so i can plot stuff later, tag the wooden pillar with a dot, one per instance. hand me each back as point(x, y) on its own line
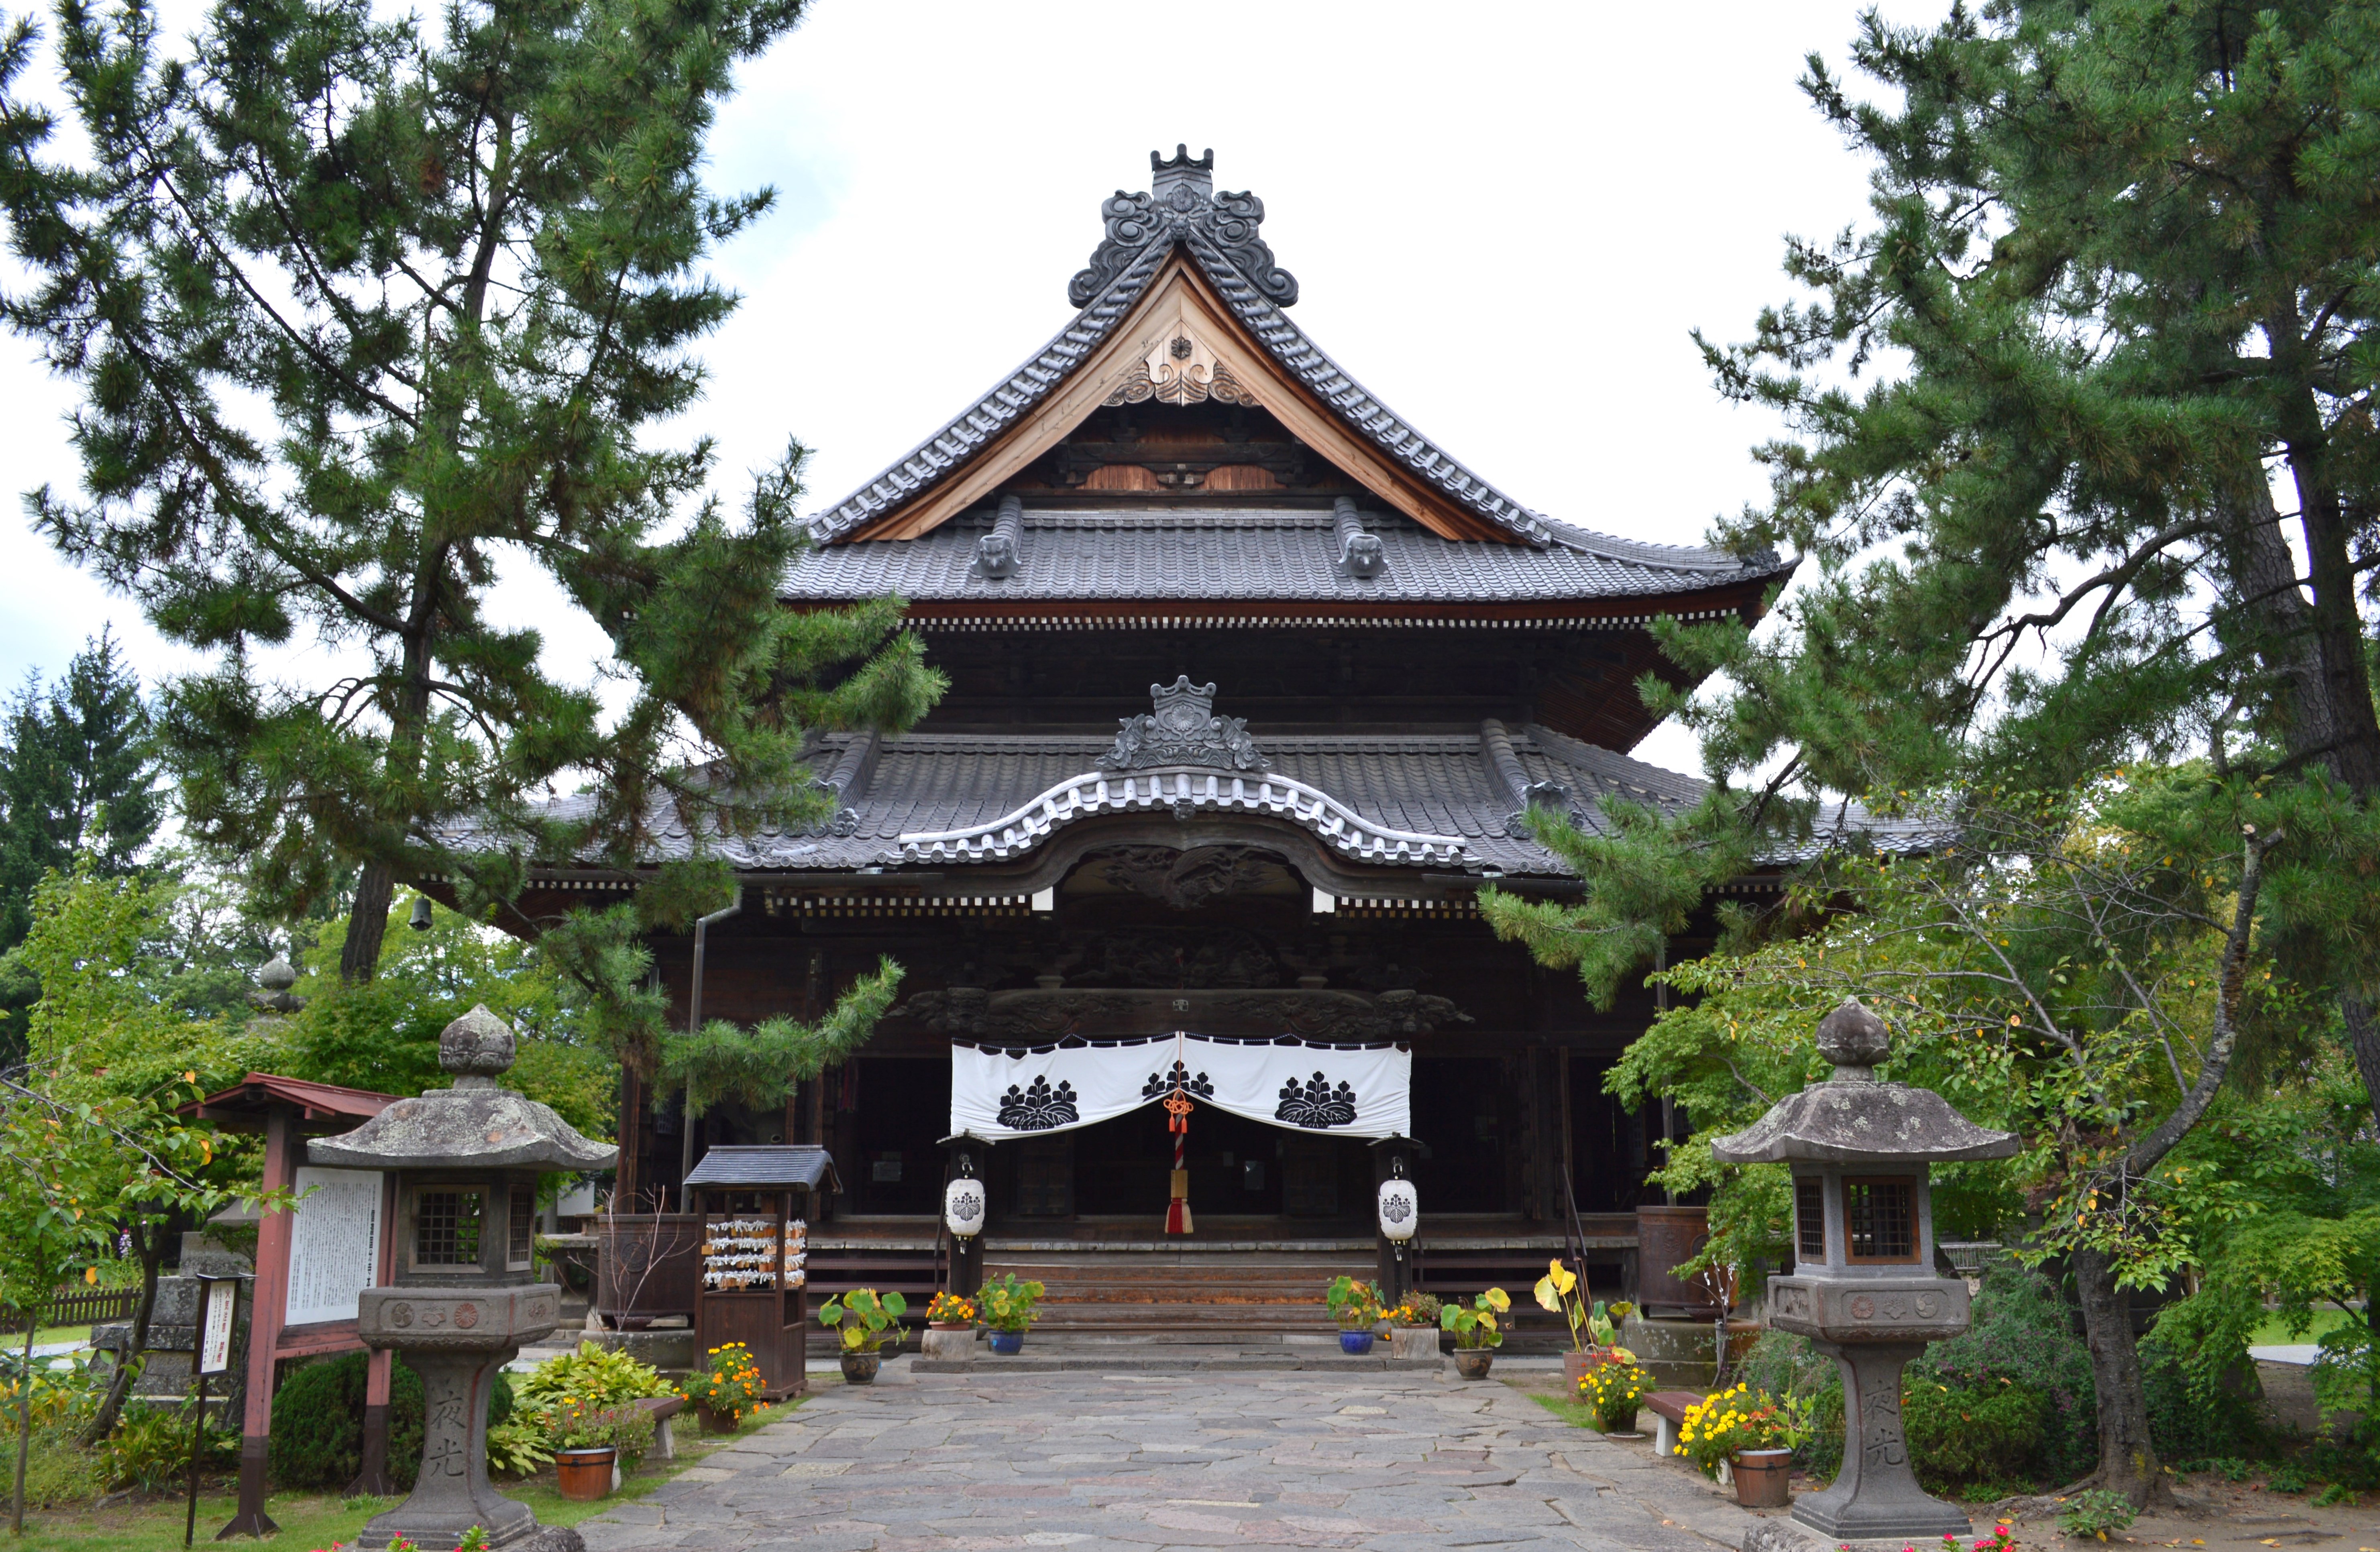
point(1390, 1156)
point(966, 1254)
point(264, 1321)
point(373, 1477)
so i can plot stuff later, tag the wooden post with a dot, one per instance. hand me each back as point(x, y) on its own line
point(373, 1475)
point(264, 1321)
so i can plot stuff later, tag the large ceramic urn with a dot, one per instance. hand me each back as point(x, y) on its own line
point(465, 1161)
point(1863, 1288)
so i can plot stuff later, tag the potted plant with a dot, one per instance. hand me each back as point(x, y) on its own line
point(592, 1445)
point(1354, 1306)
point(869, 1322)
point(1744, 1434)
point(1476, 1332)
point(1613, 1391)
point(950, 1328)
point(726, 1387)
point(1008, 1307)
point(1413, 1326)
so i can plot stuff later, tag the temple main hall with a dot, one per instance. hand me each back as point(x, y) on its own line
point(1252, 685)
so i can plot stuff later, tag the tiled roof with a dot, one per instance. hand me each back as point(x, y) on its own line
point(1437, 784)
point(1256, 552)
point(1191, 229)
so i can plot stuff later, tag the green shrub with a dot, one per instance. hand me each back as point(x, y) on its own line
point(2096, 1513)
point(2024, 1335)
point(597, 1375)
point(2185, 1424)
point(59, 1473)
point(1994, 1433)
point(1787, 1366)
point(150, 1448)
point(318, 1423)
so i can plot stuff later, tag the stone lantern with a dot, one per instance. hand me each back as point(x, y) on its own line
point(1863, 1288)
point(465, 1161)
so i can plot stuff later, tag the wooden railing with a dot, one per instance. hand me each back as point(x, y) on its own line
point(76, 1306)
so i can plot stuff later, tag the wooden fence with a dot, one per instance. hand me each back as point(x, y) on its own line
point(76, 1306)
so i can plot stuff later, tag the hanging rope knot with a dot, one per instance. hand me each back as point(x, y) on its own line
point(1177, 1112)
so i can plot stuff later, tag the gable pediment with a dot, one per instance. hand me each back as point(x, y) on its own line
point(1179, 344)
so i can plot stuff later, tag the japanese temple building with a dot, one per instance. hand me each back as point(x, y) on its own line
point(1251, 684)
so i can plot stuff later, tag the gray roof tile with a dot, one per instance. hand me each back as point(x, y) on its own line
point(1434, 783)
point(1267, 553)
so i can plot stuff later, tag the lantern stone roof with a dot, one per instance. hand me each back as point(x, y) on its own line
point(1852, 1119)
point(473, 1126)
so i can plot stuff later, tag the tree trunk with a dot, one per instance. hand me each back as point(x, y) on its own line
point(2128, 1459)
point(149, 1241)
point(367, 923)
point(2320, 729)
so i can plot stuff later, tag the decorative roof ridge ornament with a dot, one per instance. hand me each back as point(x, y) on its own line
point(1359, 551)
point(1182, 729)
point(995, 552)
point(1182, 199)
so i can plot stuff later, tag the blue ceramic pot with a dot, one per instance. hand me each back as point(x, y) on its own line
point(1008, 1341)
point(1355, 1343)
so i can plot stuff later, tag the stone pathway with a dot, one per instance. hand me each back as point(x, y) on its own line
point(1243, 1461)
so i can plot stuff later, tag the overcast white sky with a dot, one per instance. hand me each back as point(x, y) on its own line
point(1504, 219)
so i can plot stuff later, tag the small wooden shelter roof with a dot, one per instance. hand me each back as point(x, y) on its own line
point(321, 1107)
point(778, 1167)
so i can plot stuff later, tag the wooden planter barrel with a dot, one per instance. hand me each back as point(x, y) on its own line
point(649, 1265)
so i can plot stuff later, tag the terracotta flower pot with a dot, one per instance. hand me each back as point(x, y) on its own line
point(1763, 1478)
point(713, 1420)
point(1471, 1363)
point(859, 1368)
point(951, 1324)
point(1575, 1364)
point(585, 1476)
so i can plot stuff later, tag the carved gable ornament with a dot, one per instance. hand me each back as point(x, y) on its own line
point(1183, 730)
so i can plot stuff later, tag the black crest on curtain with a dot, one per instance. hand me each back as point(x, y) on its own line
point(1038, 1108)
point(1317, 1105)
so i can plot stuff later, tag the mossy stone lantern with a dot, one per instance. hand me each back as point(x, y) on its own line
point(466, 1161)
point(1864, 1287)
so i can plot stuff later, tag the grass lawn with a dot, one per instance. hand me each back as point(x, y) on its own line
point(1578, 1414)
point(2274, 1331)
point(312, 1520)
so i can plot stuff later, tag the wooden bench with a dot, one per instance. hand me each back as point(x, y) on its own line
point(661, 1408)
point(1669, 1409)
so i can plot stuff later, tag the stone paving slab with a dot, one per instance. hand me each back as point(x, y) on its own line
point(1393, 1461)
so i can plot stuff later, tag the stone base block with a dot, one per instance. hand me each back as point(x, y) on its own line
point(948, 1347)
point(670, 1352)
point(1413, 1343)
point(1777, 1532)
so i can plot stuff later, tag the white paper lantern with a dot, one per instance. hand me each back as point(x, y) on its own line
point(962, 1206)
point(1400, 1209)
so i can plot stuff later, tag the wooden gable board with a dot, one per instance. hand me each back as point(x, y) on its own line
point(1180, 299)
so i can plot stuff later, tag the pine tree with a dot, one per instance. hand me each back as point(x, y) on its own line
point(77, 774)
point(364, 309)
point(2119, 291)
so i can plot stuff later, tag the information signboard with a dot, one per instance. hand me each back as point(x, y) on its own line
point(334, 1243)
point(215, 1325)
